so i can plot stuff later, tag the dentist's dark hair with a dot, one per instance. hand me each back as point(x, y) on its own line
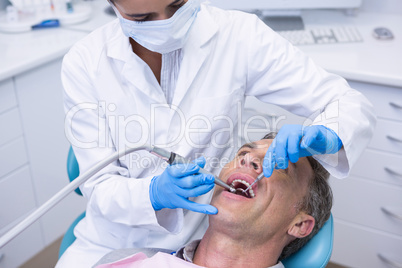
point(317, 202)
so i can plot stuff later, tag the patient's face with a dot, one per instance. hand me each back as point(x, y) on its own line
point(276, 198)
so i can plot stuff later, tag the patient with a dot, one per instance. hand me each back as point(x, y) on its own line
point(286, 211)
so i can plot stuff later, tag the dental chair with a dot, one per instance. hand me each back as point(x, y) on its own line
point(72, 172)
point(315, 254)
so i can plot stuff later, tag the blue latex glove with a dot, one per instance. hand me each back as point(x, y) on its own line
point(177, 183)
point(295, 141)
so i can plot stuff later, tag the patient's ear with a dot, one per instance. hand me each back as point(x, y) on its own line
point(302, 225)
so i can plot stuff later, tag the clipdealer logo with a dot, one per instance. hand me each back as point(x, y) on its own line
point(90, 125)
point(99, 125)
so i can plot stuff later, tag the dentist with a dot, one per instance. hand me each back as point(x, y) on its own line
point(175, 73)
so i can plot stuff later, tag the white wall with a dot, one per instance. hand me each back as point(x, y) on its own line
point(383, 6)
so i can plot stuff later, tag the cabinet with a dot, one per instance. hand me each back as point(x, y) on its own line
point(33, 153)
point(16, 186)
point(368, 205)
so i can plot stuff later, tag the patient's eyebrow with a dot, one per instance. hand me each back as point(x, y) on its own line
point(250, 145)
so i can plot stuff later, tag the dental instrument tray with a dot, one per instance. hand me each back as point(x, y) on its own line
point(13, 21)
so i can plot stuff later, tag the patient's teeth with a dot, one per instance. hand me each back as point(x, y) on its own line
point(250, 191)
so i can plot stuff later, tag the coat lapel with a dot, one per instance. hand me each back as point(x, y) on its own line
point(135, 71)
point(195, 55)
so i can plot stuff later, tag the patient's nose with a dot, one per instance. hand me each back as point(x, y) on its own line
point(251, 161)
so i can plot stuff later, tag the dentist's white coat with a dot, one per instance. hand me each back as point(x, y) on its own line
point(228, 55)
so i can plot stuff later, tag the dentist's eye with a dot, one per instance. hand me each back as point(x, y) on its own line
point(179, 5)
point(142, 20)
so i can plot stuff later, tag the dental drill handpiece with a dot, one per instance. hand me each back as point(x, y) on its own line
point(173, 158)
point(256, 180)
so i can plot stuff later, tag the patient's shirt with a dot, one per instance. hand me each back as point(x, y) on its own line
point(181, 259)
point(187, 253)
point(140, 260)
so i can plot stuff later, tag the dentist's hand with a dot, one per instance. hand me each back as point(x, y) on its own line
point(295, 141)
point(177, 183)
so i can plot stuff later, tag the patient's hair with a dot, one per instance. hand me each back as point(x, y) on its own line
point(317, 202)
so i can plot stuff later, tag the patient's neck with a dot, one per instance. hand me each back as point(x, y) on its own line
point(222, 250)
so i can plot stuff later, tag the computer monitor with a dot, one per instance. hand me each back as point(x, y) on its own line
point(286, 4)
point(284, 15)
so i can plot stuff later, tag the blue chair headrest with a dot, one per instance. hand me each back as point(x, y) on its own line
point(73, 170)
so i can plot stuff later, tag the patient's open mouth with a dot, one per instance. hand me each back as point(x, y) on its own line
point(240, 186)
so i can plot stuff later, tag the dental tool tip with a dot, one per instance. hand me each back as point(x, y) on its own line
point(248, 188)
point(256, 180)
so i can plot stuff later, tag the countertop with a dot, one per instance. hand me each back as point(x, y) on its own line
point(372, 61)
point(20, 52)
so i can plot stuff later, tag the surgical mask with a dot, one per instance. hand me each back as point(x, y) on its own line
point(162, 36)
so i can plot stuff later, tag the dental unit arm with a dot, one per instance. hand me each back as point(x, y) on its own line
point(171, 157)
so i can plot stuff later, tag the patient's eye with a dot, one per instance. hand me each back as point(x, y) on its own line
point(284, 171)
point(242, 152)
